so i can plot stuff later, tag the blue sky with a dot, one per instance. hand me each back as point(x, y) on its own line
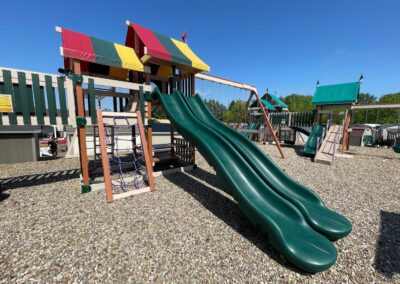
point(281, 45)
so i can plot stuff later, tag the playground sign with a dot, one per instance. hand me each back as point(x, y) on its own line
point(6, 103)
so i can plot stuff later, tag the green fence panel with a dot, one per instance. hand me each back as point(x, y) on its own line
point(23, 98)
point(51, 100)
point(8, 89)
point(63, 101)
point(1, 92)
point(92, 101)
point(29, 92)
point(38, 93)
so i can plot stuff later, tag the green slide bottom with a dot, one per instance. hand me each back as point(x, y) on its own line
point(304, 130)
point(310, 148)
point(279, 219)
point(321, 218)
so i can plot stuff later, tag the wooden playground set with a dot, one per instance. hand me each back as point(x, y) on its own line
point(152, 70)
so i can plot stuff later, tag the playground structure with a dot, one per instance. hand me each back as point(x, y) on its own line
point(293, 217)
point(326, 140)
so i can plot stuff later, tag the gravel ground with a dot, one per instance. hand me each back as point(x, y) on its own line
point(189, 229)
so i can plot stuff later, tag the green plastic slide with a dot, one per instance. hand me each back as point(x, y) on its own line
point(321, 218)
point(282, 222)
point(310, 148)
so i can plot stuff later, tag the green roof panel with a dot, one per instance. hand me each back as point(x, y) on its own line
point(278, 101)
point(265, 103)
point(338, 94)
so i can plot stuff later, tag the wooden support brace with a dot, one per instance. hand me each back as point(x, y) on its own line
point(267, 122)
point(81, 130)
point(244, 111)
point(346, 133)
point(148, 158)
point(104, 157)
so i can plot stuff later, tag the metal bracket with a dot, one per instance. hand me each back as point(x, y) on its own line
point(81, 121)
point(86, 188)
point(76, 78)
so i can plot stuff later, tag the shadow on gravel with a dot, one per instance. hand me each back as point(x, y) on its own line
point(373, 156)
point(225, 209)
point(387, 258)
point(38, 179)
point(297, 148)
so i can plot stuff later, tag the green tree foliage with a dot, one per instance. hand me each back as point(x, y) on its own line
point(216, 108)
point(389, 115)
point(298, 103)
point(366, 116)
point(381, 116)
point(234, 111)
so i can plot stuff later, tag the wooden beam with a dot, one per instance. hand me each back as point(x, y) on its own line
point(104, 157)
point(244, 111)
point(377, 106)
point(345, 131)
point(267, 122)
point(192, 93)
point(147, 158)
point(215, 79)
point(81, 130)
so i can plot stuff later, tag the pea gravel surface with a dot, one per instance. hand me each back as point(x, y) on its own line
point(189, 229)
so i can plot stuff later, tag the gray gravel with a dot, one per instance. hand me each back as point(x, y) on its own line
point(189, 229)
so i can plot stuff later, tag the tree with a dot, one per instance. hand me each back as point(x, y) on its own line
point(216, 108)
point(298, 103)
point(366, 116)
point(389, 115)
point(234, 111)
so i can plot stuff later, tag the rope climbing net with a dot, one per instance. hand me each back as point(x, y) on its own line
point(126, 159)
point(127, 166)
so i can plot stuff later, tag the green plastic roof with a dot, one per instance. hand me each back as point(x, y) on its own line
point(338, 94)
point(278, 101)
point(265, 103)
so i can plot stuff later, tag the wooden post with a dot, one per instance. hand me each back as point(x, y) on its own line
point(104, 157)
point(317, 108)
point(81, 130)
point(149, 127)
point(147, 158)
point(265, 135)
point(244, 111)
point(267, 122)
point(345, 131)
point(192, 93)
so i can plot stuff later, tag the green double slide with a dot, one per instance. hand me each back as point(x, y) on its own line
point(292, 217)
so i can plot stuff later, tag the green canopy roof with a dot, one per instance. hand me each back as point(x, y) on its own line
point(276, 100)
point(339, 94)
point(266, 104)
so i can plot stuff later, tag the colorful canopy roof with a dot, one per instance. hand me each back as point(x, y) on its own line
point(79, 46)
point(338, 94)
point(160, 47)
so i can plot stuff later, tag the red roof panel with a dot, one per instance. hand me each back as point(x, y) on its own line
point(154, 47)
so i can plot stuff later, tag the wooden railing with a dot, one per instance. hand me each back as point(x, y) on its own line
point(183, 150)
